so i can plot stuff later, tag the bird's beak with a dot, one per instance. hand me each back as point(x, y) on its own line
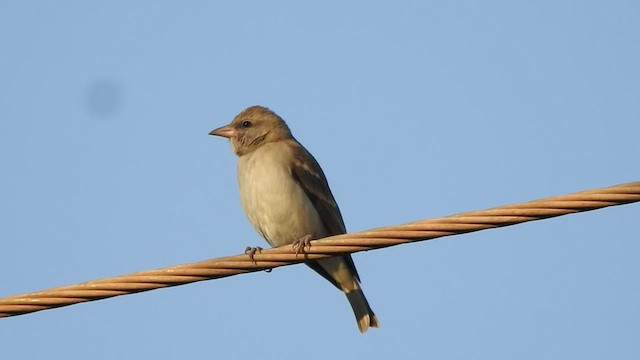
point(225, 131)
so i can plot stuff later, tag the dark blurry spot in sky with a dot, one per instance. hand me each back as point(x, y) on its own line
point(103, 98)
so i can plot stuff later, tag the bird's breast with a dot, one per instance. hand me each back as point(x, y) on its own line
point(272, 199)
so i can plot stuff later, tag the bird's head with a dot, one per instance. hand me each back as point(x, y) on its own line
point(253, 127)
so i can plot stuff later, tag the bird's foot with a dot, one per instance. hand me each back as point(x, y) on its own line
point(300, 244)
point(252, 251)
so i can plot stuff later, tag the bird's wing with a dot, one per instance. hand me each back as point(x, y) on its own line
point(307, 172)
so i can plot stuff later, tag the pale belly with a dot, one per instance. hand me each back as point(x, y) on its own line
point(275, 204)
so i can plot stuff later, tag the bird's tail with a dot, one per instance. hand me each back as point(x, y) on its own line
point(364, 315)
point(342, 273)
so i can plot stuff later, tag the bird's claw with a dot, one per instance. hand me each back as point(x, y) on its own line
point(300, 244)
point(252, 251)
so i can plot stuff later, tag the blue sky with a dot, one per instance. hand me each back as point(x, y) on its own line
point(414, 110)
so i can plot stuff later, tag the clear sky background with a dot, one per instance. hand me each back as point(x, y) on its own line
point(414, 110)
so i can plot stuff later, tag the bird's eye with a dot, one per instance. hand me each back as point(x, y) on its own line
point(246, 124)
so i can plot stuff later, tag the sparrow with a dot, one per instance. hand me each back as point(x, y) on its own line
point(287, 199)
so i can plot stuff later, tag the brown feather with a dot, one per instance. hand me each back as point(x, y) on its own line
point(316, 187)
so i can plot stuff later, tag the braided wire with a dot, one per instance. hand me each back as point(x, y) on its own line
point(340, 244)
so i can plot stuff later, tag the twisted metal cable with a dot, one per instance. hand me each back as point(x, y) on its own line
point(340, 244)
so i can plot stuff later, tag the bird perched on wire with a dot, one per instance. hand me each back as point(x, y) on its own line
point(287, 199)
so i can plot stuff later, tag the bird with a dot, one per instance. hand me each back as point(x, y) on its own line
point(286, 197)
